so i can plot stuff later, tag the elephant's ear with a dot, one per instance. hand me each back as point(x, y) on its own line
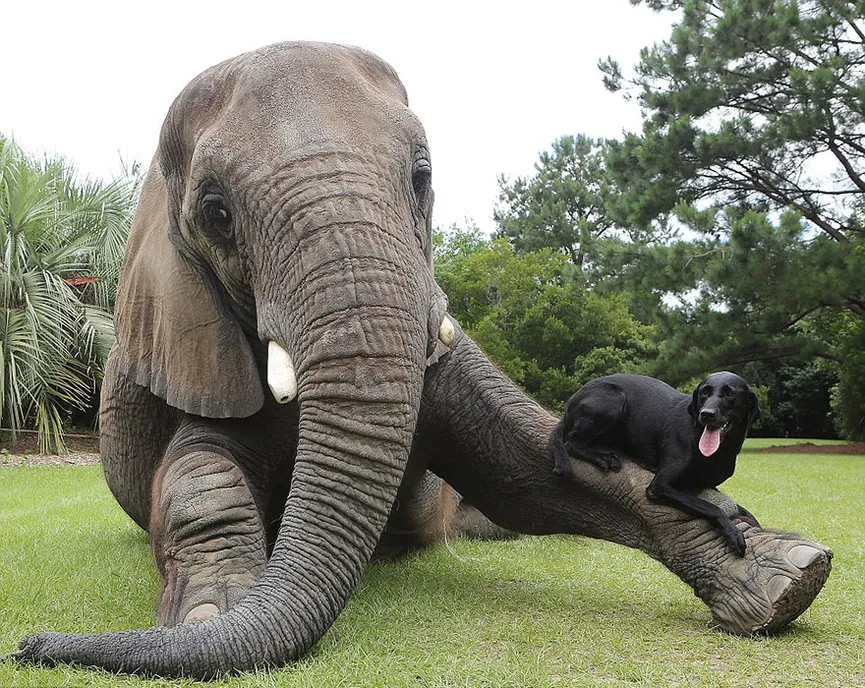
point(173, 334)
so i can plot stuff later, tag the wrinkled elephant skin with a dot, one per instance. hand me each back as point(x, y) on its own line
point(285, 373)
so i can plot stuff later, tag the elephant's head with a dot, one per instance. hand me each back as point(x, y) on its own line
point(288, 210)
point(283, 240)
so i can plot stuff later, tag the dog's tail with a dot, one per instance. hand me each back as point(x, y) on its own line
point(561, 457)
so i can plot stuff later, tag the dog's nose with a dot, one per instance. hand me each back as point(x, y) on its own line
point(708, 416)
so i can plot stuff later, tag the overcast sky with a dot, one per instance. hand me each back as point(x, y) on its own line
point(493, 83)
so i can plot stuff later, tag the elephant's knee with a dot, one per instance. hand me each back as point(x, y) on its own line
point(206, 534)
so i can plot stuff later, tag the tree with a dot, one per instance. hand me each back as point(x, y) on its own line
point(531, 314)
point(754, 140)
point(61, 242)
point(454, 245)
point(562, 206)
point(752, 103)
point(798, 398)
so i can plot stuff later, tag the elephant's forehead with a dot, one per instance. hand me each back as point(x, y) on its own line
point(315, 80)
point(302, 62)
point(332, 107)
point(303, 95)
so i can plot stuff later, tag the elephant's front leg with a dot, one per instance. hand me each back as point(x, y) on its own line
point(777, 579)
point(207, 536)
point(489, 440)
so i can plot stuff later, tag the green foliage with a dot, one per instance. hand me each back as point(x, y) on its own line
point(57, 235)
point(751, 102)
point(452, 246)
point(533, 316)
point(848, 400)
point(757, 291)
point(795, 397)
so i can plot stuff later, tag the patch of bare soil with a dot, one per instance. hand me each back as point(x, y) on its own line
point(809, 448)
point(83, 448)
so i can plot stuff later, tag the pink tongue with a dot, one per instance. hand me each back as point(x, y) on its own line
point(710, 441)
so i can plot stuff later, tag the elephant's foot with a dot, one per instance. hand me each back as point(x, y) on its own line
point(762, 592)
point(207, 537)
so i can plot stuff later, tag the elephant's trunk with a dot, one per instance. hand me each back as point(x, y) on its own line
point(359, 360)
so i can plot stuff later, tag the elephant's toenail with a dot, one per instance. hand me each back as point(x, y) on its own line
point(201, 612)
point(778, 585)
point(802, 555)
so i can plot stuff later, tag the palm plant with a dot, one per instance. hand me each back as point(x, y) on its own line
point(61, 241)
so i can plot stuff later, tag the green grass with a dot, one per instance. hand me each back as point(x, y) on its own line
point(537, 612)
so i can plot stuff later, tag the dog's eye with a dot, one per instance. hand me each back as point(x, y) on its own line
point(728, 391)
point(706, 391)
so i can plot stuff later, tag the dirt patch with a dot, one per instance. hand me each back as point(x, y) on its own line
point(809, 448)
point(83, 448)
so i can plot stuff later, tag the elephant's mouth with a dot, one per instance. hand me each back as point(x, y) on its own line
point(282, 376)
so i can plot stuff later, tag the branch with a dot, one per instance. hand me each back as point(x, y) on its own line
point(775, 353)
point(800, 317)
point(811, 213)
point(805, 205)
point(857, 306)
point(845, 163)
point(847, 141)
point(855, 28)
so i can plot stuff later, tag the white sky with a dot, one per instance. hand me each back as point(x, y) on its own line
point(493, 83)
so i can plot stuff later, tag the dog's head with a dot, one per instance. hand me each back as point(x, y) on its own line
point(720, 402)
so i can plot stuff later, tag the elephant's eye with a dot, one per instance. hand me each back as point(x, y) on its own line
point(216, 215)
point(420, 180)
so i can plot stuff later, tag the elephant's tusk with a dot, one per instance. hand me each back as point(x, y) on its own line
point(446, 332)
point(280, 373)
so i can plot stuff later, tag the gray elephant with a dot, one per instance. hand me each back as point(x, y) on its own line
point(285, 373)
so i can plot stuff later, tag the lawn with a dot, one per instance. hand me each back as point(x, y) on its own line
point(554, 611)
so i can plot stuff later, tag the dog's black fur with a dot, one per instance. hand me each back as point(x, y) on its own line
point(660, 429)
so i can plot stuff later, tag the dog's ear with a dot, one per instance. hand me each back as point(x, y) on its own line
point(754, 412)
point(694, 404)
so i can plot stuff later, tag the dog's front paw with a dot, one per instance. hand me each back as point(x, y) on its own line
point(614, 463)
point(735, 539)
point(607, 461)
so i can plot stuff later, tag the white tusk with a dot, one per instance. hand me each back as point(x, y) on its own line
point(280, 373)
point(446, 332)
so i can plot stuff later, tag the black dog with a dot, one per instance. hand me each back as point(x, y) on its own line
point(689, 442)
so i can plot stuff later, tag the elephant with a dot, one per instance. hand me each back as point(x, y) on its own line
point(287, 382)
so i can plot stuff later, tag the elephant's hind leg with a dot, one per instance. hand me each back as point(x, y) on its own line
point(206, 534)
point(433, 511)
